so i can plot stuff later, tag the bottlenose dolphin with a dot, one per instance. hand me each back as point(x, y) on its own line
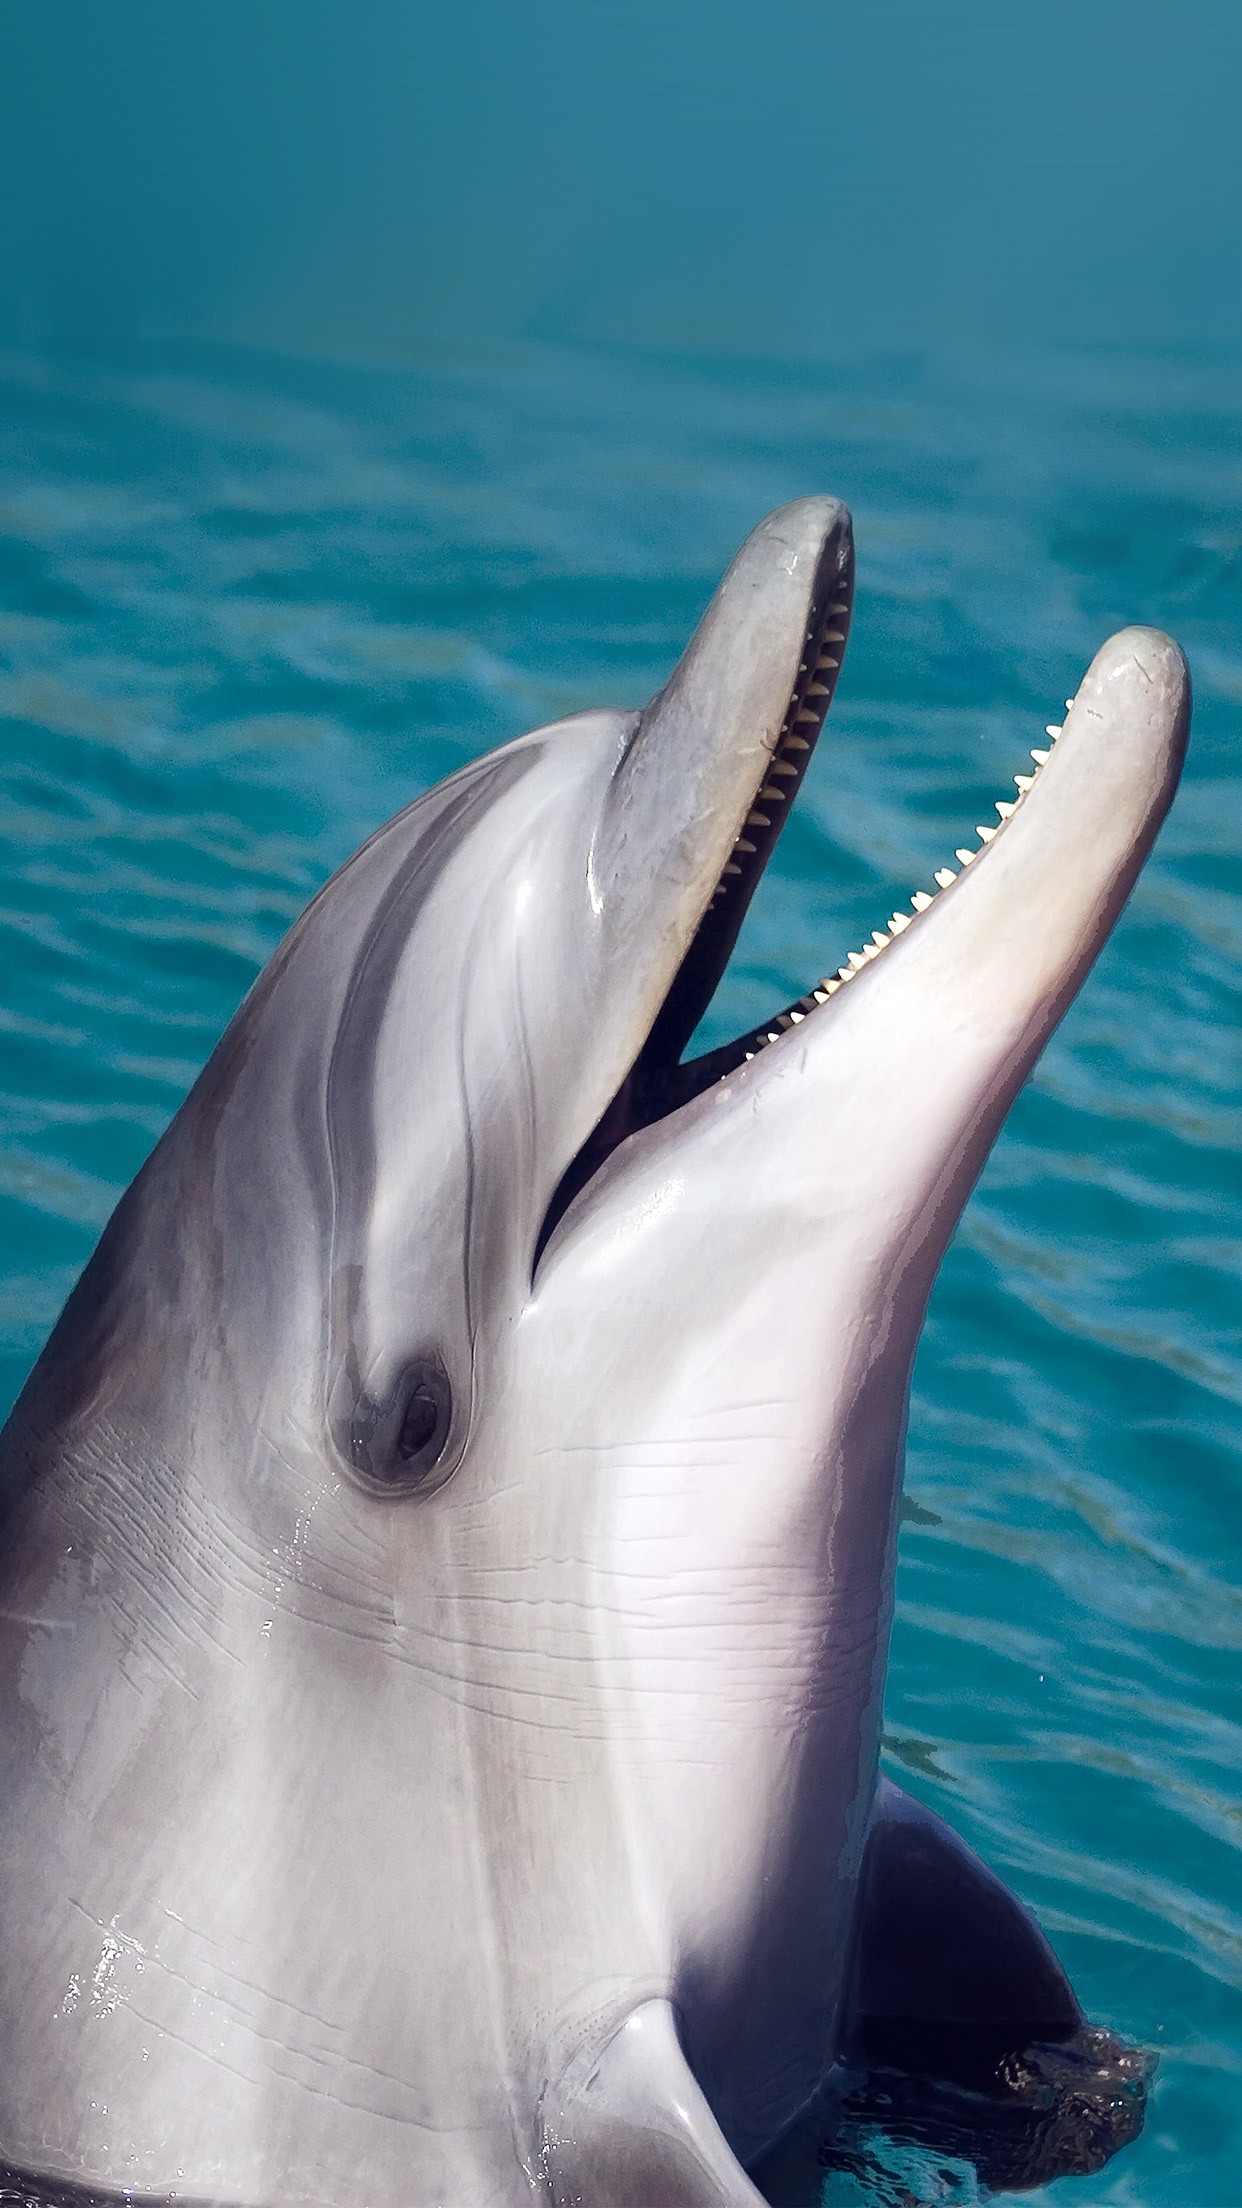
point(448, 1539)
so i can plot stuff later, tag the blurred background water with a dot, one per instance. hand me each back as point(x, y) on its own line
point(251, 606)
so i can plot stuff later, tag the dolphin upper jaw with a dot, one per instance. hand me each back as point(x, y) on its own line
point(690, 773)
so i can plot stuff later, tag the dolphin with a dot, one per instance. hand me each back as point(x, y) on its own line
point(447, 1542)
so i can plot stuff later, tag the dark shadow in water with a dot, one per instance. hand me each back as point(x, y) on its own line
point(883, 2138)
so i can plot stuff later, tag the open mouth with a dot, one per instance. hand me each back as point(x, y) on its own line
point(661, 1081)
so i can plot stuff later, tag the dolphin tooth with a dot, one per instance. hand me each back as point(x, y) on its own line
point(921, 899)
point(1041, 758)
point(944, 875)
point(817, 689)
point(879, 939)
point(842, 607)
point(965, 857)
point(782, 766)
point(821, 995)
point(1025, 781)
point(731, 869)
point(796, 1018)
point(1069, 705)
point(757, 820)
point(834, 636)
point(825, 661)
point(845, 973)
point(898, 921)
point(1005, 806)
point(857, 960)
point(831, 986)
point(1053, 730)
point(742, 845)
point(807, 713)
point(985, 835)
point(795, 743)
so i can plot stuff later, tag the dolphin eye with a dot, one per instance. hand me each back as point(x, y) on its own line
point(394, 1445)
point(421, 1421)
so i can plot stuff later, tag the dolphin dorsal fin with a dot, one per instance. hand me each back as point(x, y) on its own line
point(629, 2128)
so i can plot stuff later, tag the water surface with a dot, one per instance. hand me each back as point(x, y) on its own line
point(248, 608)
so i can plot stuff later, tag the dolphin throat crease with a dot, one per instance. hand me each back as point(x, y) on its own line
point(448, 1539)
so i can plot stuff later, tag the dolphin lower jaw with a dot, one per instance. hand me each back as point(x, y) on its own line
point(782, 768)
point(1139, 794)
point(784, 1225)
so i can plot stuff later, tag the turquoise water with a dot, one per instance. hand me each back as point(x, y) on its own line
point(250, 608)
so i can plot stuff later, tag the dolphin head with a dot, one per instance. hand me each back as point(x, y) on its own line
point(472, 1013)
point(531, 1402)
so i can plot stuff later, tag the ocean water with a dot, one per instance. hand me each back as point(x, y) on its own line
point(249, 607)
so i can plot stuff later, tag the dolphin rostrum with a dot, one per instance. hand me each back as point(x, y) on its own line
point(448, 1538)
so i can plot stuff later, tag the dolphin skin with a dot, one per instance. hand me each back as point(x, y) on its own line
point(448, 1539)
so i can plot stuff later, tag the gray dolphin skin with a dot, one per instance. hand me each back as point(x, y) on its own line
point(447, 1543)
